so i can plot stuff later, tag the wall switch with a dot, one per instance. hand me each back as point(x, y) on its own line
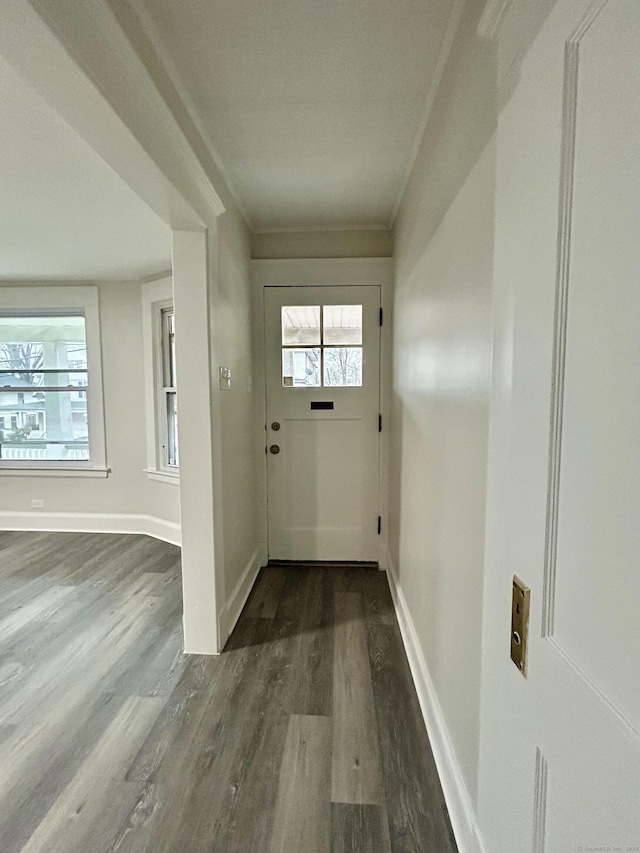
point(520, 600)
point(37, 503)
point(225, 378)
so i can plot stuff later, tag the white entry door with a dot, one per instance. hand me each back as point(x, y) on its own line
point(322, 356)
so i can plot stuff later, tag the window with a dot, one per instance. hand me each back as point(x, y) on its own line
point(168, 400)
point(35, 387)
point(158, 332)
point(322, 345)
point(49, 348)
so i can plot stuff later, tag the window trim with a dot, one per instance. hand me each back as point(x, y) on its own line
point(66, 299)
point(163, 362)
point(156, 297)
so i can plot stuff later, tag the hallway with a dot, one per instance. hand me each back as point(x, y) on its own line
point(304, 735)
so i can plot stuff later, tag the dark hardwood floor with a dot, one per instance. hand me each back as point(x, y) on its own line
point(305, 736)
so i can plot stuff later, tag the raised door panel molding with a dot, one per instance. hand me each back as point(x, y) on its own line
point(591, 591)
point(540, 804)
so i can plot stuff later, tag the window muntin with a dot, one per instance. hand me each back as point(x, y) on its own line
point(168, 402)
point(322, 346)
point(43, 359)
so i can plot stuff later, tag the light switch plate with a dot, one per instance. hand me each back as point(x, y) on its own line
point(520, 601)
point(225, 378)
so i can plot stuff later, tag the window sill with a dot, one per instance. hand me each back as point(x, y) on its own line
point(163, 476)
point(43, 471)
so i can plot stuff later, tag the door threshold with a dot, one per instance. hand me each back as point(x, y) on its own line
point(324, 564)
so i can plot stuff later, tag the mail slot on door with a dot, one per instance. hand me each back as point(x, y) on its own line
point(322, 405)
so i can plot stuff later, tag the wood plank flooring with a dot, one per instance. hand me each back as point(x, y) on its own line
point(304, 736)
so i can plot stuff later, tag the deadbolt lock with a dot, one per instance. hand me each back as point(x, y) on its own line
point(520, 600)
point(275, 426)
point(274, 448)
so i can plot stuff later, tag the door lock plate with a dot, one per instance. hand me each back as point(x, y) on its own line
point(520, 601)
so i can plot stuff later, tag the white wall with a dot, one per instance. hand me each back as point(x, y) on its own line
point(442, 356)
point(233, 333)
point(236, 467)
point(441, 384)
point(127, 489)
point(222, 551)
point(322, 244)
point(497, 223)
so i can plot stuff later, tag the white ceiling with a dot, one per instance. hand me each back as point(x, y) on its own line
point(64, 214)
point(312, 106)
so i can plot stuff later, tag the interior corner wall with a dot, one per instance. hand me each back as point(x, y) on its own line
point(233, 347)
point(441, 386)
point(127, 490)
point(366, 243)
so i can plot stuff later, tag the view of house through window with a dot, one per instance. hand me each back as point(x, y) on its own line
point(168, 397)
point(321, 345)
point(43, 388)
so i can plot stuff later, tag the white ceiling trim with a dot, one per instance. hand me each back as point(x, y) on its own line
point(443, 55)
point(157, 276)
point(493, 18)
point(289, 229)
point(169, 67)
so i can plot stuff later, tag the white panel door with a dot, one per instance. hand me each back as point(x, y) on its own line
point(562, 746)
point(591, 616)
point(322, 362)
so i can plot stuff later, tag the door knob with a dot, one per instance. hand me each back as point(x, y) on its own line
point(274, 448)
point(275, 426)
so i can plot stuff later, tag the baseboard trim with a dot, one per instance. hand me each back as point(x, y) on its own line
point(92, 522)
point(461, 811)
point(238, 598)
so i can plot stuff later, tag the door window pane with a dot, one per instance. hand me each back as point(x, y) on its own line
point(301, 367)
point(300, 325)
point(342, 325)
point(342, 366)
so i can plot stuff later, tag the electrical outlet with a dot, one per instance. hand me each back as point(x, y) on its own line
point(37, 503)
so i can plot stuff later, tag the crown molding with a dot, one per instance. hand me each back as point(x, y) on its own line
point(441, 61)
point(493, 17)
point(304, 229)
